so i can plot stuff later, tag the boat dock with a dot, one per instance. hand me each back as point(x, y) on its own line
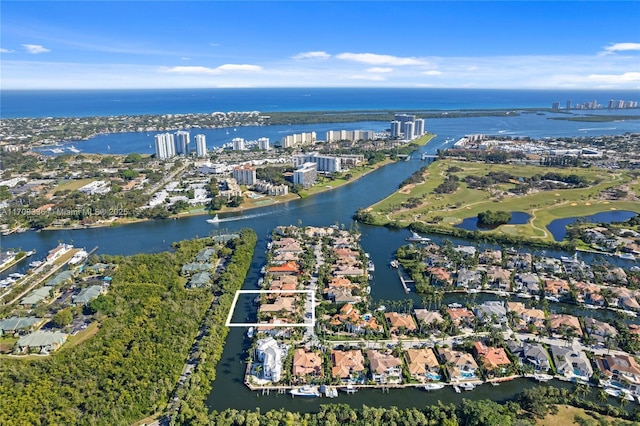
point(405, 280)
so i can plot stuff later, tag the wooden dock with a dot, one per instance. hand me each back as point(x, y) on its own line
point(405, 280)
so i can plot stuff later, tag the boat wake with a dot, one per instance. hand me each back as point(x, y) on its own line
point(243, 217)
point(586, 129)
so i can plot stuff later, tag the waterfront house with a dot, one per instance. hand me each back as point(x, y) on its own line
point(549, 265)
point(527, 282)
point(499, 278)
point(346, 364)
point(459, 365)
point(461, 316)
point(623, 369)
point(274, 327)
point(271, 354)
point(589, 293)
point(280, 305)
point(493, 359)
point(58, 251)
point(531, 354)
point(422, 364)
point(399, 322)
point(599, 330)
point(288, 268)
point(306, 363)
point(558, 322)
point(490, 257)
point(555, 287)
point(440, 276)
point(527, 315)
point(466, 251)
point(347, 271)
point(468, 279)
point(385, 368)
point(427, 318)
point(571, 364)
point(492, 311)
point(626, 298)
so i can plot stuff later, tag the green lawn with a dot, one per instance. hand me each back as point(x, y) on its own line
point(543, 206)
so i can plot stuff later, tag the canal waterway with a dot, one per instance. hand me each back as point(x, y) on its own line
point(558, 227)
point(331, 207)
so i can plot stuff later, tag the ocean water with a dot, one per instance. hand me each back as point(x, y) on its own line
point(78, 103)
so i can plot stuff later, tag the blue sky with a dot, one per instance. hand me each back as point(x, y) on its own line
point(167, 44)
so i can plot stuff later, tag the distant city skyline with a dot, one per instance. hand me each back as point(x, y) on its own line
point(431, 44)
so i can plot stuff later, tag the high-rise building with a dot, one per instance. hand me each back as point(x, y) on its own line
point(396, 130)
point(164, 146)
point(324, 163)
point(238, 144)
point(409, 129)
point(201, 145)
point(306, 175)
point(182, 138)
point(298, 139)
point(263, 144)
point(568, 104)
point(555, 106)
point(244, 175)
point(419, 127)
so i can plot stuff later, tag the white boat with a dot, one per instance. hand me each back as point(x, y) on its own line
point(309, 391)
point(214, 219)
point(456, 388)
point(368, 289)
point(524, 295)
point(542, 377)
point(467, 386)
point(454, 305)
point(329, 391)
point(349, 389)
point(78, 257)
point(626, 256)
point(415, 238)
point(16, 275)
point(381, 308)
point(36, 263)
point(394, 263)
point(73, 149)
point(552, 299)
point(612, 392)
point(57, 150)
point(250, 332)
point(433, 386)
point(371, 267)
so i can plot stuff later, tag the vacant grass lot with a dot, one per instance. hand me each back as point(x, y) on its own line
point(543, 206)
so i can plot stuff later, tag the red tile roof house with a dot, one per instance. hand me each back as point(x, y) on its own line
point(289, 268)
point(398, 322)
point(621, 368)
point(306, 363)
point(420, 362)
point(440, 276)
point(385, 368)
point(555, 287)
point(346, 363)
point(460, 316)
point(494, 359)
point(459, 365)
point(560, 321)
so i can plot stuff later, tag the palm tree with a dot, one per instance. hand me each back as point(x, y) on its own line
point(602, 396)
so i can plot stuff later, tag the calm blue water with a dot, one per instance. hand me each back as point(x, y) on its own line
point(532, 125)
point(78, 103)
point(471, 223)
point(558, 227)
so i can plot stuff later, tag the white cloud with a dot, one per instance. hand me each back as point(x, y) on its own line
point(5, 50)
point(432, 72)
point(627, 77)
point(207, 70)
point(185, 58)
point(35, 49)
point(622, 46)
point(376, 59)
point(370, 77)
point(239, 67)
point(379, 69)
point(312, 55)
